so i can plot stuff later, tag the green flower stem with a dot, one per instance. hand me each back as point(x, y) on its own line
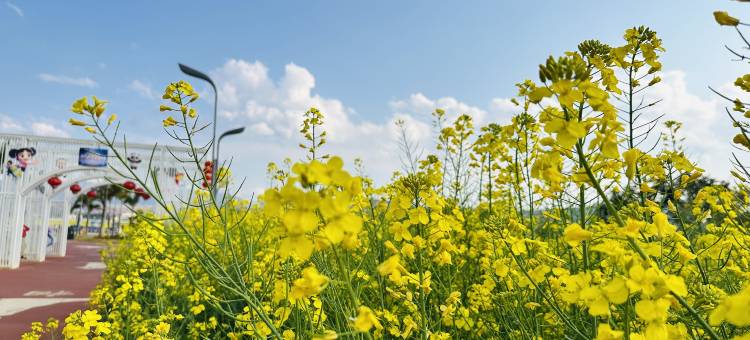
point(709, 330)
point(213, 268)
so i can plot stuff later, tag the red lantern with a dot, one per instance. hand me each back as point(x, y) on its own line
point(91, 194)
point(142, 193)
point(54, 182)
point(208, 172)
point(75, 188)
point(129, 185)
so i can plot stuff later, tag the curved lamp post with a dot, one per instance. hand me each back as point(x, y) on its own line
point(236, 131)
point(200, 75)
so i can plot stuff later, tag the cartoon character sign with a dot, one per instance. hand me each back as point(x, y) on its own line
point(19, 160)
point(134, 160)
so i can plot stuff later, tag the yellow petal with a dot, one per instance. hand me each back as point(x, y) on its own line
point(98, 110)
point(76, 122)
point(539, 93)
point(169, 121)
point(299, 246)
point(676, 285)
point(616, 290)
point(724, 19)
point(574, 234)
point(79, 105)
point(646, 189)
point(366, 319)
point(630, 157)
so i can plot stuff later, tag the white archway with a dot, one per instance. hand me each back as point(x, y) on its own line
point(47, 234)
point(27, 162)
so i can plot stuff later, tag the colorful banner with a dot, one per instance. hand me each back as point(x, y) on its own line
point(93, 157)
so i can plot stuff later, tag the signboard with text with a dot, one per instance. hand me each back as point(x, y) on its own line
point(93, 157)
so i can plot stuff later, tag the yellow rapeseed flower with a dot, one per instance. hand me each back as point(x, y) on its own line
point(366, 319)
point(311, 283)
point(724, 19)
point(169, 121)
point(76, 122)
point(652, 310)
point(733, 309)
point(574, 234)
point(630, 156)
point(568, 131)
point(79, 105)
point(605, 332)
point(392, 268)
point(162, 328)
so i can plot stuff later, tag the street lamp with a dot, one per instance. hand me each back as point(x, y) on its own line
point(200, 75)
point(236, 131)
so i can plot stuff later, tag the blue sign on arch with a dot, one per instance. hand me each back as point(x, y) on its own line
point(94, 157)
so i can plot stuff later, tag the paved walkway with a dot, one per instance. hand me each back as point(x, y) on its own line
point(53, 288)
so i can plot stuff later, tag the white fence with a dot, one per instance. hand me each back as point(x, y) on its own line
point(34, 216)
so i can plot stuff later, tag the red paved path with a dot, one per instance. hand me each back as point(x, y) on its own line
point(56, 274)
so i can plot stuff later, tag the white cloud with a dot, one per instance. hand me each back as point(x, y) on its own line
point(261, 129)
point(503, 106)
point(499, 109)
point(9, 124)
point(706, 127)
point(66, 80)
point(247, 92)
point(46, 129)
point(142, 89)
point(14, 8)
point(272, 110)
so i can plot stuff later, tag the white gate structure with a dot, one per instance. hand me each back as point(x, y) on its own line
point(34, 215)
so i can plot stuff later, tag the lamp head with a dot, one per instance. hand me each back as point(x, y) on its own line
point(195, 73)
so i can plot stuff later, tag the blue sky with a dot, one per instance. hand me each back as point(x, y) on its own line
point(367, 61)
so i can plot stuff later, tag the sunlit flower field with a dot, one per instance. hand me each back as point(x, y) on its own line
point(581, 218)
